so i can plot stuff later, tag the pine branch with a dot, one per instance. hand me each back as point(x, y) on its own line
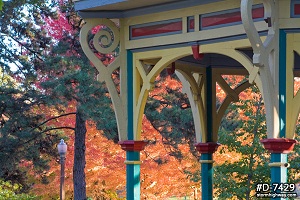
point(53, 118)
point(22, 45)
point(58, 128)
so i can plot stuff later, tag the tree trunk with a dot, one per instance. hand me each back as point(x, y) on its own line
point(79, 158)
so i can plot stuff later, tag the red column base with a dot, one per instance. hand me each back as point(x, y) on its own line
point(132, 145)
point(208, 147)
point(279, 145)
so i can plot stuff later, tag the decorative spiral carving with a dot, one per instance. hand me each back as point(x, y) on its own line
point(106, 41)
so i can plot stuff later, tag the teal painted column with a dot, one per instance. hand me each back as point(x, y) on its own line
point(279, 173)
point(207, 150)
point(279, 148)
point(282, 83)
point(133, 148)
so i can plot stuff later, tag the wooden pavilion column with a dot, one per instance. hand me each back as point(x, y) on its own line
point(133, 162)
point(279, 148)
point(270, 60)
point(207, 149)
point(122, 95)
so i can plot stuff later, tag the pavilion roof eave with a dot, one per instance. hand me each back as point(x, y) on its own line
point(92, 9)
point(101, 14)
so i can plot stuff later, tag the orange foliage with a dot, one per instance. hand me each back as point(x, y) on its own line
point(296, 85)
point(105, 168)
point(106, 171)
point(166, 179)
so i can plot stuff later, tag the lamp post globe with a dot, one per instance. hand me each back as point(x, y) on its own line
point(62, 150)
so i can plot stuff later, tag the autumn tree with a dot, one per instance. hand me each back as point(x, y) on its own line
point(169, 112)
point(27, 109)
point(25, 138)
point(242, 128)
point(238, 177)
point(70, 79)
point(240, 133)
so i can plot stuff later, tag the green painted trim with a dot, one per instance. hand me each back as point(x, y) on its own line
point(282, 82)
point(133, 185)
point(209, 104)
point(278, 174)
point(207, 177)
point(130, 95)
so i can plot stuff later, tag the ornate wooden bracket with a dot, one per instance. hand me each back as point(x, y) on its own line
point(265, 59)
point(94, 41)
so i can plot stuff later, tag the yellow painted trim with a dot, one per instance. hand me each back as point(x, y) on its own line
point(165, 57)
point(105, 72)
point(184, 25)
point(279, 164)
point(285, 8)
point(293, 102)
point(197, 35)
point(186, 12)
point(197, 22)
point(289, 23)
point(192, 86)
point(129, 162)
point(228, 100)
point(206, 161)
point(191, 36)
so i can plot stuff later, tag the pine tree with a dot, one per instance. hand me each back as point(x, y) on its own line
point(169, 112)
point(69, 79)
point(238, 177)
point(25, 138)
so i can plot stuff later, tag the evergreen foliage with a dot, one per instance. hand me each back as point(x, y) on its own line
point(24, 136)
point(237, 178)
point(52, 79)
point(294, 159)
point(70, 80)
point(171, 115)
point(43, 80)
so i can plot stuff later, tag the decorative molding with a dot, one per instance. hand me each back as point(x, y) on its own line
point(192, 84)
point(84, 8)
point(279, 164)
point(188, 24)
point(208, 147)
point(261, 50)
point(206, 161)
point(95, 41)
point(154, 29)
point(266, 60)
point(295, 9)
point(144, 79)
point(132, 145)
point(279, 145)
point(228, 17)
point(129, 162)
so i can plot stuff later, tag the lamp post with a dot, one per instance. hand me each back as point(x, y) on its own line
point(62, 150)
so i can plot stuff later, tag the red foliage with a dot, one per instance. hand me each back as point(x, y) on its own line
point(57, 27)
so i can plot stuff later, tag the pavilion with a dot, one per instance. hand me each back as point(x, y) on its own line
point(199, 40)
